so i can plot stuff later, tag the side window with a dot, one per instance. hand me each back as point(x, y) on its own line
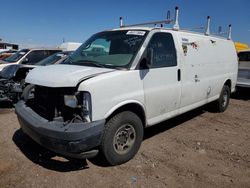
point(35, 56)
point(164, 53)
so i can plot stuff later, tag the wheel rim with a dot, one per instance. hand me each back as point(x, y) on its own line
point(224, 99)
point(124, 139)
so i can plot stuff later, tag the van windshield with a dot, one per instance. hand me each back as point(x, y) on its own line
point(244, 56)
point(110, 49)
point(15, 57)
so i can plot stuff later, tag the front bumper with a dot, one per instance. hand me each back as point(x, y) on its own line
point(76, 140)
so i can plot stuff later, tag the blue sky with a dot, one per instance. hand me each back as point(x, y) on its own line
point(47, 22)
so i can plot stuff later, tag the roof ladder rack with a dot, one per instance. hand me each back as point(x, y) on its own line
point(207, 32)
point(146, 23)
point(176, 25)
point(229, 37)
point(167, 21)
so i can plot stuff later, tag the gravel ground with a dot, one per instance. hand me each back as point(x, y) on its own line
point(197, 149)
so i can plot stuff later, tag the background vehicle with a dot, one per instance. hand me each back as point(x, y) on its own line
point(240, 46)
point(5, 54)
point(27, 56)
point(12, 76)
point(244, 69)
point(69, 46)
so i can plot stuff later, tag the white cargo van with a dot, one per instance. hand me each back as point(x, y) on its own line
point(102, 99)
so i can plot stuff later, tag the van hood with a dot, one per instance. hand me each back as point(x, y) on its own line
point(62, 75)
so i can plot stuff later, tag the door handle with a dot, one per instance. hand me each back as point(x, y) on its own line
point(196, 79)
point(179, 75)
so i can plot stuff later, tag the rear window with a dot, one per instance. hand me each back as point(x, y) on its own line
point(244, 56)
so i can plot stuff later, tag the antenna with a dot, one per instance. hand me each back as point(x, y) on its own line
point(176, 22)
point(229, 32)
point(207, 32)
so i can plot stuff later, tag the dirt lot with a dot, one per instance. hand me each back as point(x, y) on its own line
point(197, 149)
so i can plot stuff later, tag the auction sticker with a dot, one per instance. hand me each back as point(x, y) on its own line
point(140, 33)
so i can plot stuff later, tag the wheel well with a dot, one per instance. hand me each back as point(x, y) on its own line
point(21, 73)
point(228, 83)
point(133, 107)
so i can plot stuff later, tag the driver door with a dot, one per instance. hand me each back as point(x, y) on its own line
point(162, 86)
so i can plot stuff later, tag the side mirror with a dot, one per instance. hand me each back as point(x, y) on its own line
point(150, 55)
point(147, 60)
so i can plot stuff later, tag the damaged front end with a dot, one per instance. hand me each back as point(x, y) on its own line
point(60, 119)
point(61, 104)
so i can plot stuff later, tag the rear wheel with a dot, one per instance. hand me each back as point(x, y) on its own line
point(122, 137)
point(222, 103)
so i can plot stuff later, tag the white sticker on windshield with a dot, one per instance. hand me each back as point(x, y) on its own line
point(140, 33)
point(22, 53)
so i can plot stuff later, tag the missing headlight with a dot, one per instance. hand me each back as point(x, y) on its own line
point(70, 101)
point(81, 102)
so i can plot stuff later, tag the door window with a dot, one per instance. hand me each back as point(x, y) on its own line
point(164, 53)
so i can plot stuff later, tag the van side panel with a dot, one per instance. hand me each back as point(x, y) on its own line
point(208, 62)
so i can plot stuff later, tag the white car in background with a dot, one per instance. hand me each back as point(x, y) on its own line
point(27, 56)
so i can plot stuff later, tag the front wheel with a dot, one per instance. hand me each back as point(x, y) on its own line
point(122, 137)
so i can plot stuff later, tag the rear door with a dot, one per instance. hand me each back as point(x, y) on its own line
point(162, 86)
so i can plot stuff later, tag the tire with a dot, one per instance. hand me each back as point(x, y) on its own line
point(27, 92)
point(222, 103)
point(122, 138)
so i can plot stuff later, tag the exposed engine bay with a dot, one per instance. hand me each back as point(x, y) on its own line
point(60, 104)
